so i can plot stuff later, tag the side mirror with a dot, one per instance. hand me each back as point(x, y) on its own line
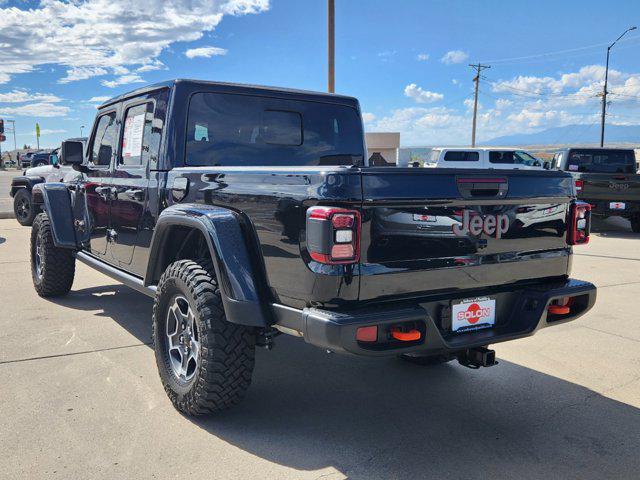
point(546, 166)
point(73, 153)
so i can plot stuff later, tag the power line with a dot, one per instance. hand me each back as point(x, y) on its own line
point(558, 52)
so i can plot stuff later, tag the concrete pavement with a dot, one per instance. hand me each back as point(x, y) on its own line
point(6, 202)
point(81, 397)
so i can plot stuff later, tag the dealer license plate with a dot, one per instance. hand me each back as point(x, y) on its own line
point(473, 314)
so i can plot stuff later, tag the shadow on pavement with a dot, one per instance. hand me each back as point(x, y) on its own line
point(379, 419)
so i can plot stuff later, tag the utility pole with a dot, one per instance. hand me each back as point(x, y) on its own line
point(331, 33)
point(478, 68)
point(604, 91)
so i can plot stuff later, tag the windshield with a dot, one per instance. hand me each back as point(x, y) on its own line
point(239, 130)
point(602, 161)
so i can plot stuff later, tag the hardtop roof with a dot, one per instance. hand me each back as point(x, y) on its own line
point(241, 88)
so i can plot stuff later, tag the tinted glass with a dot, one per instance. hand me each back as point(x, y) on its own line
point(502, 157)
point(229, 130)
point(104, 140)
point(140, 140)
point(460, 156)
point(602, 161)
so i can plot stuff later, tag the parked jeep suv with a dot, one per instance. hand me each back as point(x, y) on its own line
point(247, 212)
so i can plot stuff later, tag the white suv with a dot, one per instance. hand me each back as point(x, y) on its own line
point(499, 158)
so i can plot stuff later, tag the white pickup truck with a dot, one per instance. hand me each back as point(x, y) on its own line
point(497, 158)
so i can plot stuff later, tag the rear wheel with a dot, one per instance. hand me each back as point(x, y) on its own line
point(635, 223)
point(426, 360)
point(205, 362)
point(23, 207)
point(52, 268)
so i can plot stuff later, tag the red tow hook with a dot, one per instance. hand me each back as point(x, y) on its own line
point(563, 306)
point(409, 336)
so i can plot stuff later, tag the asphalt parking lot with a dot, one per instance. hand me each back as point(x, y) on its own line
point(81, 397)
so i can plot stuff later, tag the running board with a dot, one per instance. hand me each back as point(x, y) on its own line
point(127, 279)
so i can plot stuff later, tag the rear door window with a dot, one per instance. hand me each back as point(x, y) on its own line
point(503, 157)
point(140, 141)
point(247, 130)
point(461, 156)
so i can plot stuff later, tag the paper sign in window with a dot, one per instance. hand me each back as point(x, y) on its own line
point(132, 139)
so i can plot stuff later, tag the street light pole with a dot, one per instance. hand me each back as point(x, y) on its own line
point(606, 79)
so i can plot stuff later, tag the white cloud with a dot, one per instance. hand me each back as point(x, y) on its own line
point(82, 73)
point(99, 99)
point(95, 37)
point(423, 57)
point(455, 81)
point(23, 96)
point(368, 117)
point(421, 96)
point(454, 56)
point(206, 52)
point(123, 80)
point(149, 67)
point(36, 110)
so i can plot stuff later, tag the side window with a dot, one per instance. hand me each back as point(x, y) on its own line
point(461, 156)
point(501, 157)
point(140, 141)
point(104, 140)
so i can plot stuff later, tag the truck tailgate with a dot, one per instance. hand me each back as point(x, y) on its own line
point(437, 230)
point(606, 186)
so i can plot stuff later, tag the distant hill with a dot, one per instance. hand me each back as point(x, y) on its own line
point(576, 134)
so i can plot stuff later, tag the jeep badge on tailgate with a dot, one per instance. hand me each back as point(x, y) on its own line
point(476, 224)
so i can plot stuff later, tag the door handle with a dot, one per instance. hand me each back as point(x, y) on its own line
point(103, 192)
point(135, 194)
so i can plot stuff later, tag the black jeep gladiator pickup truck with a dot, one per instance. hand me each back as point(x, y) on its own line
point(247, 212)
point(605, 178)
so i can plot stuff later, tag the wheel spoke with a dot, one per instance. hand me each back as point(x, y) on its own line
point(182, 338)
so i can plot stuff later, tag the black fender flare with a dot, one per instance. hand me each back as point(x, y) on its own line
point(237, 275)
point(26, 181)
point(56, 200)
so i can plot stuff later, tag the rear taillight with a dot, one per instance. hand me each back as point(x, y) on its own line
point(579, 224)
point(333, 235)
point(579, 185)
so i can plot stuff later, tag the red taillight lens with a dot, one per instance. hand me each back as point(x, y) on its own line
point(579, 224)
point(341, 220)
point(579, 185)
point(333, 235)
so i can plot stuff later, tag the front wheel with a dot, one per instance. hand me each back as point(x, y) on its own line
point(23, 207)
point(52, 268)
point(205, 362)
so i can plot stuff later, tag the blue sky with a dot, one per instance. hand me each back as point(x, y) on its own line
point(407, 61)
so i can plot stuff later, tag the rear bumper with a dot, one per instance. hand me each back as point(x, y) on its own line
point(519, 313)
point(602, 207)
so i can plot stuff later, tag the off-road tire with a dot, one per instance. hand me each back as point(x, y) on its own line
point(635, 223)
point(427, 360)
point(227, 350)
point(57, 266)
point(23, 207)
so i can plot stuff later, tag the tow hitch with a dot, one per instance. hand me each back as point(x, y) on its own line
point(477, 357)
